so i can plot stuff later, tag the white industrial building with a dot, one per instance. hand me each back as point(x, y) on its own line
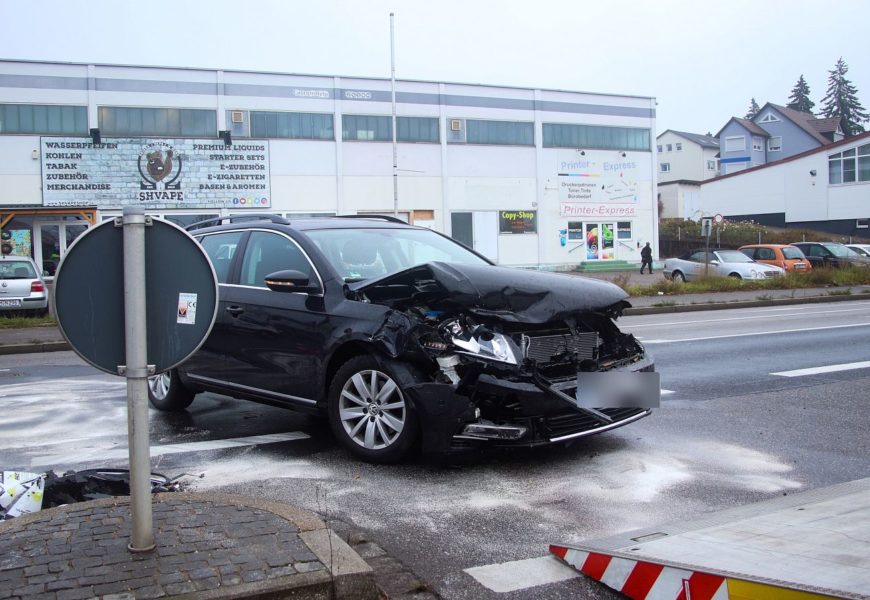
point(526, 176)
point(825, 189)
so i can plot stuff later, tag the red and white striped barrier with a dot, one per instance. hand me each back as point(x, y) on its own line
point(642, 580)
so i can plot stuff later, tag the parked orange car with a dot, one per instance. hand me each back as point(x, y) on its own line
point(788, 257)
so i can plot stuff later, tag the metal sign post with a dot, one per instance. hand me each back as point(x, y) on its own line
point(706, 228)
point(136, 371)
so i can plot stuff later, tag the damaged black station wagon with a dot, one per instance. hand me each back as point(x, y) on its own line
point(401, 335)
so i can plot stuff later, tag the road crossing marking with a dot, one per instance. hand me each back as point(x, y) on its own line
point(743, 318)
point(828, 369)
point(123, 453)
point(522, 574)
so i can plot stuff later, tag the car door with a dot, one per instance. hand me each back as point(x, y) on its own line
point(209, 361)
point(276, 340)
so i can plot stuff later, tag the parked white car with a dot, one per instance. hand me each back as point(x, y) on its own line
point(862, 249)
point(21, 287)
point(722, 263)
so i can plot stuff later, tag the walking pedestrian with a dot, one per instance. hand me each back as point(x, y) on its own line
point(646, 259)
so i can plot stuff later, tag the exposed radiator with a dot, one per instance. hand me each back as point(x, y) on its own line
point(542, 348)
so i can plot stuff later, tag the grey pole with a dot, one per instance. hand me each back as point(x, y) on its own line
point(393, 96)
point(136, 371)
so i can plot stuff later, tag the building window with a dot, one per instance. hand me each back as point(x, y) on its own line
point(736, 143)
point(297, 126)
point(659, 148)
point(597, 137)
point(757, 145)
point(368, 128)
point(168, 122)
point(623, 230)
point(665, 167)
point(377, 128)
point(850, 165)
point(711, 165)
point(678, 146)
point(768, 118)
point(43, 119)
point(774, 144)
point(417, 129)
point(510, 133)
point(669, 147)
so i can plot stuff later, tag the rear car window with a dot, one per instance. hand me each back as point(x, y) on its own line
point(792, 254)
point(17, 269)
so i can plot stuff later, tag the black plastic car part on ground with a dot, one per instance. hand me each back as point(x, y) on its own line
point(401, 335)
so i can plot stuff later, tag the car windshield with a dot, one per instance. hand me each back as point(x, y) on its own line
point(840, 251)
point(732, 256)
point(359, 254)
point(792, 253)
point(860, 250)
point(16, 269)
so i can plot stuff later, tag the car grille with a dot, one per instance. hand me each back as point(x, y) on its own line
point(577, 422)
point(771, 274)
point(542, 348)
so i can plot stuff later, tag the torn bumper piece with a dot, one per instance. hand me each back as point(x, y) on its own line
point(504, 412)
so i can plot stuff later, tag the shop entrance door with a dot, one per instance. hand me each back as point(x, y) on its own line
point(599, 241)
point(51, 239)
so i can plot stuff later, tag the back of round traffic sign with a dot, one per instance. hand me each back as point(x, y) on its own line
point(181, 295)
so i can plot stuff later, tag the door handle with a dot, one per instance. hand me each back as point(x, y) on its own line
point(235, 310)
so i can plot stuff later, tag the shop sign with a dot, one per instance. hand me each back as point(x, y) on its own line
point(599, 178)
point(155, 173)
point(582, 209)
point(518, 221)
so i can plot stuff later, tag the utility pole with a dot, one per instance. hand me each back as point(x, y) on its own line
point(393, 95)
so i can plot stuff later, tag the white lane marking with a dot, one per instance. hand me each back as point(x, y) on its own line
point(522, 574)
point(668, 392)
point(5, 370)
point(736, 335)
point(123, 453)
point(829, 369)
point(825, 312)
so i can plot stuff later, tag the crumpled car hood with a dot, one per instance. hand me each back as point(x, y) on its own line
point(504, 293)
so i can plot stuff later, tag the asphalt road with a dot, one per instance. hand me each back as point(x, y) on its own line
point(747, 415)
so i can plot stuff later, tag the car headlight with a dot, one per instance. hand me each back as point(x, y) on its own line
point(483, 343)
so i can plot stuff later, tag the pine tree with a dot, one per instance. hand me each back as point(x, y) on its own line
point(753, 109)
point(841, 100)
point(800, 97)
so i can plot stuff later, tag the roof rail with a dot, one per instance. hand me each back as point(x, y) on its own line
point(239, 217)
point(382, 217)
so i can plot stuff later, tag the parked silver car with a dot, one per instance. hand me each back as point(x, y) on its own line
point(21, 286)
point(862, 249)
point(722, 263)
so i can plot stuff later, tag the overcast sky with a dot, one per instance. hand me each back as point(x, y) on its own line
point(701, 60)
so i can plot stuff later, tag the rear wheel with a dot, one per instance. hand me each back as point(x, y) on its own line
point(167, 393)
point(369, 413)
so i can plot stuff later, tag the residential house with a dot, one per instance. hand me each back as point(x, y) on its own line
point(776, 132)
point(684, 160)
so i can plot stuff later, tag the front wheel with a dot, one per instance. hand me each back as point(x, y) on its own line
point(678, 277)
point(369, 412)
point(166, 392)
point(735, 275)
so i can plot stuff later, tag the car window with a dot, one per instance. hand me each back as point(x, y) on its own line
point(358, 254)
point(793, 253)
point(732, 256)
point(696, 256)
point(268, 252)
point(818, 251)
point(765, 254)
point(859, 250)
point(17, 269)
point(841, 251)
point(221, 247)
point(750, 252)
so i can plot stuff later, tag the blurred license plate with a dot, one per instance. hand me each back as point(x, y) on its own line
point(618, 389)
point(10, 303)
point(799, 266)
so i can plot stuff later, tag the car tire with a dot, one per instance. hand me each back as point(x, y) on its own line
point(735, 275)
point(369, 412)
point(678, 277)
point(167, 393)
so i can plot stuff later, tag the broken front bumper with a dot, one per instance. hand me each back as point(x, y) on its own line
point(503, 412)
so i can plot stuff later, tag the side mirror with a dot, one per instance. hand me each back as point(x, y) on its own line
point(714, 262)
point(290, 281)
